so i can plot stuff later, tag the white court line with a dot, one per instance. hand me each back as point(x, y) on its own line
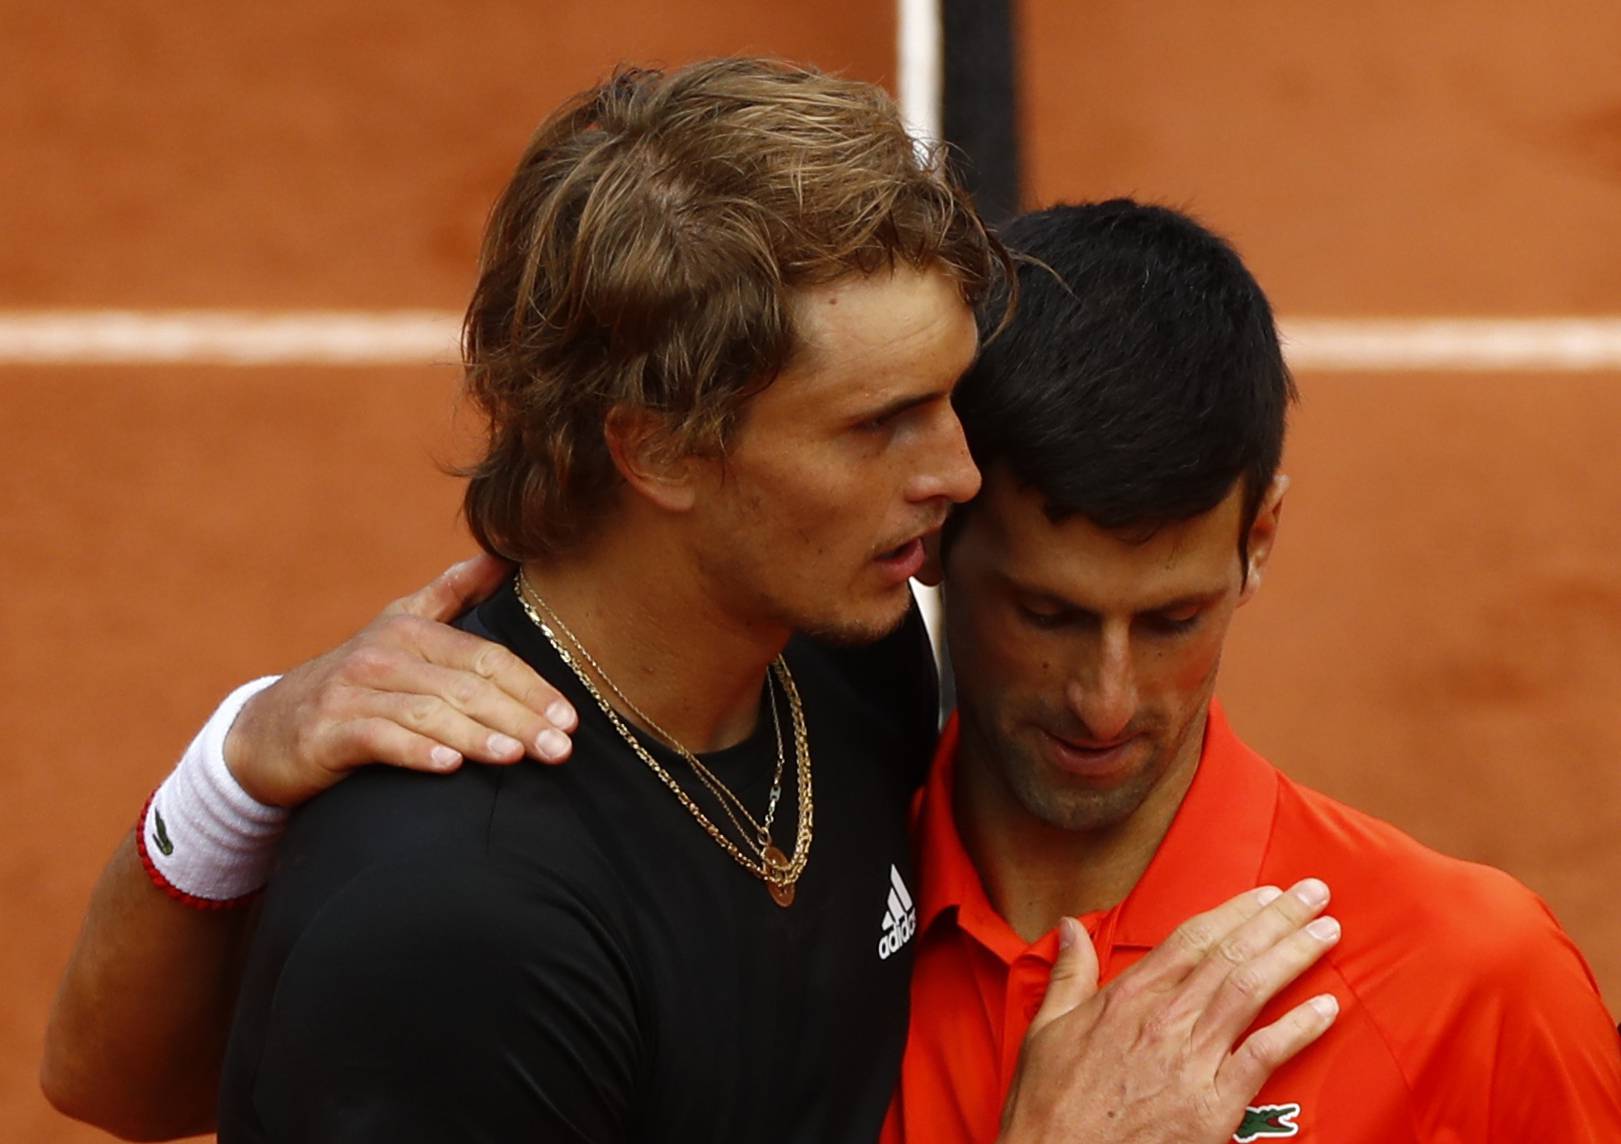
point(234, 338)
point(427, 337)
point(920, 67)
point(1407, 345)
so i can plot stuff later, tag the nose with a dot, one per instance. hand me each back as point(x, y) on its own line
point(948, 470)
point(1103, 692)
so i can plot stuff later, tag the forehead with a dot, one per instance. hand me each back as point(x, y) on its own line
point(868, 334)
point(1009, 536)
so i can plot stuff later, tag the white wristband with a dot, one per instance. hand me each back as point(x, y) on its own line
point(203, 839)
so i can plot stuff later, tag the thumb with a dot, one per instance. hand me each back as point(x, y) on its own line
point(455, 589)
point(1074, 978)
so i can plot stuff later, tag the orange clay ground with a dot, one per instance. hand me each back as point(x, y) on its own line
point(1439, 638)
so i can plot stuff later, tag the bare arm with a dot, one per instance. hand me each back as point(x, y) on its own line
point(138, 1028)
point(1155, 1056)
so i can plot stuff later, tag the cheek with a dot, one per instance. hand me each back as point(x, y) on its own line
point(1182, 674)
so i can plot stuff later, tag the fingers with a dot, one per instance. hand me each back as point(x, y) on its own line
point(1283, 915)
point(474, 677)
point(1160, 1038)
point(1249, 986)
point(468, 714)
point(1074, 977)
point(1178, 955)
point(513, 727)
point(384, 741)
point(455, 589)
point(1267, 1049)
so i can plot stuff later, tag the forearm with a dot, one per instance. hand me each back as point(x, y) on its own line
point(138, 1027)
point(140, 1021)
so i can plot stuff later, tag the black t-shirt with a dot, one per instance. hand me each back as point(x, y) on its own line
point(562, 953)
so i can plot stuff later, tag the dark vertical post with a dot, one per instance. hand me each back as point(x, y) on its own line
point(979, 116)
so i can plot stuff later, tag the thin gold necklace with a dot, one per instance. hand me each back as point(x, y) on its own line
point(766, 862)
point(729, 802)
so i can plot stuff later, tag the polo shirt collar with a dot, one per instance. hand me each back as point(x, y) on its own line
point(1212, 851)
point(1216, 842)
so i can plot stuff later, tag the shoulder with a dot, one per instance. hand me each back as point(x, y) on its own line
point(1458, 974)
point(510, 854)
point(462, 920)
point(1380, 873)
point(1434, 944)
point(382, 814)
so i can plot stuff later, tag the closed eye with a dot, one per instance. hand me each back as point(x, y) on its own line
point(1172, 623)
point(1045, 618)
point(885, 417)
point(880, 423)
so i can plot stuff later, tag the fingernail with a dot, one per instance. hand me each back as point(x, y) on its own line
point(1327, 1005)
point(1312, 892)
point(1324, 929)
point(1266, 895)
point(552, 745)
point(444, 758)
point(561, 715)
point(503, 745)
point(1068, 933)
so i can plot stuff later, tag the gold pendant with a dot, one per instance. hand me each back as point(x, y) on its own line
point(781, 892)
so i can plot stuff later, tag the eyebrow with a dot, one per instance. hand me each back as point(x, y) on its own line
point(898, 406)
point(901, 404)
point(1057, 600)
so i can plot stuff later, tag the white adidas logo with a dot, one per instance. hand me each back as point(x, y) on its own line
point(900, 918)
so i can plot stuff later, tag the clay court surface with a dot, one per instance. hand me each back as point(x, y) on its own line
point(1439, 639)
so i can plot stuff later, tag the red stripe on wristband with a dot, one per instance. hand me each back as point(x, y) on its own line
point(168, 887)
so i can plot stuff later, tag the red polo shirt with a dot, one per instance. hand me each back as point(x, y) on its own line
point(1466, 1013)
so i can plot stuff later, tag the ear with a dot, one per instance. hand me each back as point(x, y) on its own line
point(1263, 534)
point(649, 459)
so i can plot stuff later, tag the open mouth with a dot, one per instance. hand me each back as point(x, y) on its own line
point(903, 561)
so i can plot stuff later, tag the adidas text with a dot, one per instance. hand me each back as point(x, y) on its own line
point(900, 917)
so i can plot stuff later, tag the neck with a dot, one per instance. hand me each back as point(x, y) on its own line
point(640, 610)
point(1036, 873)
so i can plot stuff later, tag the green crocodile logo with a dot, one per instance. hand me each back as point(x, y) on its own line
point(161, 835)
point(1268, 1121)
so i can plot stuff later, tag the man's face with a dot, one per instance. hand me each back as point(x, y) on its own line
point(815, 517)
point(1085, 659)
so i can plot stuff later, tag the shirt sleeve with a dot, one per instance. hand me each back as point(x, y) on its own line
point(1527, 1050)
point(1557, 1072)
point(451, 1004)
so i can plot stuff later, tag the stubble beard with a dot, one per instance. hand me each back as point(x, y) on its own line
point(1012, 746)
point(851, 631)
point(1069, 805)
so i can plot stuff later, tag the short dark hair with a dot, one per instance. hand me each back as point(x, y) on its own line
point(1140, 377)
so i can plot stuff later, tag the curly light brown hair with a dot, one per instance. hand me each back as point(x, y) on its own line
point(645, 253)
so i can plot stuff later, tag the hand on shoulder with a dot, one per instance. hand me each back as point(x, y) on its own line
point(1154, 1057)
point(407, 690)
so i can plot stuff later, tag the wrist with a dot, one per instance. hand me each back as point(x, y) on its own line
point(203, 839)
point(235, 722)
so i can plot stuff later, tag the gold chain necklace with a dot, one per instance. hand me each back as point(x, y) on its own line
point(766, 862)
point(729, 802)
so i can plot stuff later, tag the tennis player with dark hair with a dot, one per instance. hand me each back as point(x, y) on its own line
point(1129, 425)
point(719, 319)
